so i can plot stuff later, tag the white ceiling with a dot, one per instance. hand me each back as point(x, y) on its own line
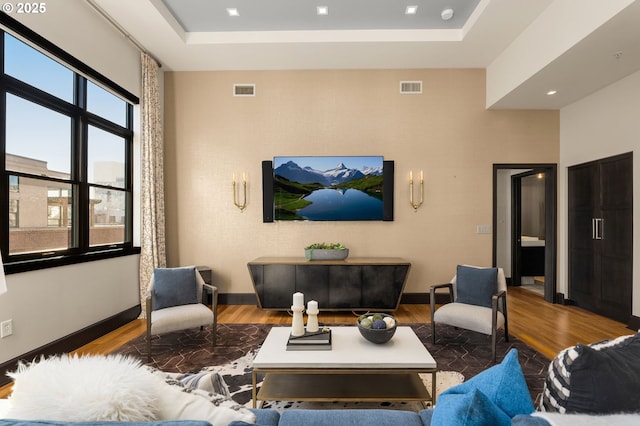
point(297, 15)
point(375, 34)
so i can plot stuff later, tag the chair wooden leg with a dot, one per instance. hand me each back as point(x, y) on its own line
point(213, 336)
point(494, 333)
point(506, 320)
point(148, 345)
point(148, 311)
point(214, 308)
point(432, 303)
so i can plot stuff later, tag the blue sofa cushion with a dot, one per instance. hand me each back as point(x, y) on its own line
point(12, 422)
point(601, 378)
point(475, 286)
point(522, 420)
point(264, 417)
point(503, 384)
point(426, 415)
point(174, 287)
point(472, 408)
point(355, 417)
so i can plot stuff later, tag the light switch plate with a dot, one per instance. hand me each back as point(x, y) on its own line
point(483, 229)
point(6, 328)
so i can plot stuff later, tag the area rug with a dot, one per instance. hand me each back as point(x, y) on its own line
point(455, 350)
point(237, 376)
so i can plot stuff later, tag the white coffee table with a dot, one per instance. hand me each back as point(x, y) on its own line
point(353, 370)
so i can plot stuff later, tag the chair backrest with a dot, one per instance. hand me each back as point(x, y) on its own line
point(199, 287)
point(501, 281)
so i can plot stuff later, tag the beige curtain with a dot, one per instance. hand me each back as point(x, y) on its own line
point(153, 254)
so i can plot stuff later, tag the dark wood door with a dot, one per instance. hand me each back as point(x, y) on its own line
point(614, 242)
point(600, 236)
point(583, 193)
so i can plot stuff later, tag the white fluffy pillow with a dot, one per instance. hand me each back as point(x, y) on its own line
point(111, 388)
point(88, 388)
point(175, 404)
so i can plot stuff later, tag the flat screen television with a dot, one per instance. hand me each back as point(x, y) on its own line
point(328, 188)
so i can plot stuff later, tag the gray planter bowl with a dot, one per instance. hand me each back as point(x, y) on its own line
point(377, 336)
point(320, 254)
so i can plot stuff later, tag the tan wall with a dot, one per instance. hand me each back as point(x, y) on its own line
point(446, 131)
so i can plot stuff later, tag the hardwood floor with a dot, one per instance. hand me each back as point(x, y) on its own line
point(545, 327)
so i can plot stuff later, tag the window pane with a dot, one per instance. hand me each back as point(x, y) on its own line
point(108, 210)
point(106, 105)
point(29, 65)
point(43, 219)
point(14, 184)
point(106, 158)
point(38, 139)
point(14, 213)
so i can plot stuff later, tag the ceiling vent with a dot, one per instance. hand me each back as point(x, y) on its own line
point(410, 87)
point(244, 90)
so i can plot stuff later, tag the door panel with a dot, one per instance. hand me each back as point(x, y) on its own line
point(581, 277)
point(581, 231)
point(615, 298)
point(601, 236)
point(582, 188)
point(616, 182)
point(278, 285)
point(617, 238)
point(376, 295)
point(313, 282)
point(582, 198)
point(345, 286)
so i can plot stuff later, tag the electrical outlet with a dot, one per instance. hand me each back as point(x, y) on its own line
point(6, 328)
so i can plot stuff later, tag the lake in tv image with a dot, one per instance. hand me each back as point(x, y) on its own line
point(328, 188)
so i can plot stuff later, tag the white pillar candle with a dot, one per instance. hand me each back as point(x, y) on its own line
point(312, 312)
point(298, 300)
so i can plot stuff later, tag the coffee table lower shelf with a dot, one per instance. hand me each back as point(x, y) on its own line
point(344, 387)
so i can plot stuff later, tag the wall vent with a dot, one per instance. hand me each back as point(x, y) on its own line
point(411, 87)
point(244, 90)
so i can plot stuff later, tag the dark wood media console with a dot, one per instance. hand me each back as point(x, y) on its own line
point(353, 284)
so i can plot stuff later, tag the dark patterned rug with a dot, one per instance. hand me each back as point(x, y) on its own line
point(455, 350)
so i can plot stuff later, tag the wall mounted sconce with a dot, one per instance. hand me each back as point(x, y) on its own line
point(415, 205)
point(236, 193)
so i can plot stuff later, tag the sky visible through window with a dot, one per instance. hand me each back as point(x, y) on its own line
point(40, 133)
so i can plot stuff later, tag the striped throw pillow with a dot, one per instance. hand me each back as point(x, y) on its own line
point(598, 378)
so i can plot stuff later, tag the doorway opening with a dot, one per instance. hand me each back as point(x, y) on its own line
point(525, 224)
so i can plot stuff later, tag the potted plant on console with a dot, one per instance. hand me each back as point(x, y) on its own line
point(324, 251)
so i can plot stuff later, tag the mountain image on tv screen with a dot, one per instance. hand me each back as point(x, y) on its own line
point(328, 188)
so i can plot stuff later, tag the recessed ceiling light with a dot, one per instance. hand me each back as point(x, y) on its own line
point(446, 14)
point(411, 10)
point(551, 92)
point(322, 10)
point(232, 11)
